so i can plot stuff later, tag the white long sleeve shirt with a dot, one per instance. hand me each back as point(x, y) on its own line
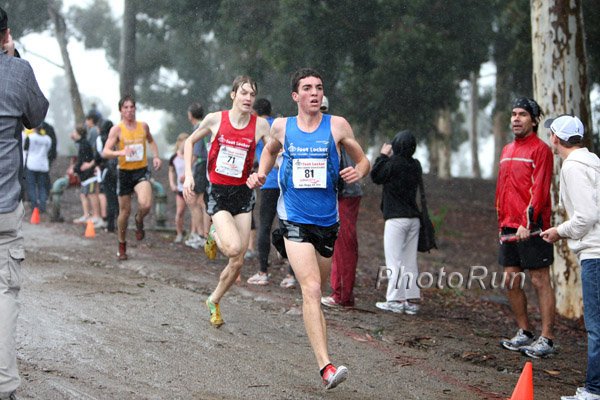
point(580, 196)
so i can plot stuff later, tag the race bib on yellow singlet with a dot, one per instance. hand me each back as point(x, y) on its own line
point(137, 153)
point(309, 173)
point(230, 161)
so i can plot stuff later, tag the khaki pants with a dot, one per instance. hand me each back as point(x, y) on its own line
point(11, 255)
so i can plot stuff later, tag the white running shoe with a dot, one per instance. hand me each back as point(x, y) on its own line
point(259, 278)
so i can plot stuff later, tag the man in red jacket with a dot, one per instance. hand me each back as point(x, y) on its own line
point(524, 206)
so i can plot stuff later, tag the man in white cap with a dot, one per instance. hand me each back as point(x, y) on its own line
point(580, 196)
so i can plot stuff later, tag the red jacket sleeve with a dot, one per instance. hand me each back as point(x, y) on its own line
point(540, 188)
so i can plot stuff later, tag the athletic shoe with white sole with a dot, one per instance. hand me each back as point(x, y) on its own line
point(259, 278)
point(393, 306)
point(288, 282)
point(541, 348)
point(581, 394)
point(520, 339)
point(333, 376)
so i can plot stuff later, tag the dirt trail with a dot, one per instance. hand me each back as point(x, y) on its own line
point(93, 328)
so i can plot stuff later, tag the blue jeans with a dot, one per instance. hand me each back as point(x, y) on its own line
point(37, 188)
point(590, 281)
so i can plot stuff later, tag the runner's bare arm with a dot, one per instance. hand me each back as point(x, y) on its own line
point(342, 132)
point(156, 161)
point(209, 125)
point(262, 130)
point(269, 154)
point(113, 137)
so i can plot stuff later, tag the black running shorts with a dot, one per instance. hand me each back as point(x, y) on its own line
point(129, 178)
point(321, 237)
point(532, 253)
point(233, 199)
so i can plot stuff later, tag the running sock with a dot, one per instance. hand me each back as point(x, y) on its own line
point(211, 305)
point(528, 334)
point(325, 369)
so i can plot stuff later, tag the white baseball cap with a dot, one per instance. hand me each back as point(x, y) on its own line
point(325, 104)
point(565, 126)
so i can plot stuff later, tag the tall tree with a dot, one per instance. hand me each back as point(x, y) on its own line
point(60, 31)
point(127, 49)
point(561, 86)
point(473, 122)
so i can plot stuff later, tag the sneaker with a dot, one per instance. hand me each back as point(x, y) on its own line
point(122, 253)
point(81, 220)
point(139, 229)
point(393, 306)
point(99, 223)
point(193, 241)
point(334, 376)
point(541, 348)
point(260, 278)
point(582, 394)
point(329, 301)
point(411, 308)
point(210, 247)
point(178, 238)
point(288, 282)
point(215, 313)
point(519, 340)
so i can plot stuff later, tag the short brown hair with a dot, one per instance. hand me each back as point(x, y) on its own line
point(301, 74)
point(125, 98)
point(240, 80)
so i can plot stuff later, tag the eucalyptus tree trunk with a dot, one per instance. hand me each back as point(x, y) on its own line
point(560, 86)
point(444, 131)
point(60, 31)
point(127, 66)
point(474, 112)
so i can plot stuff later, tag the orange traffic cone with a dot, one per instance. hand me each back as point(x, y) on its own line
point(90, 231)
point(524, 388)
point(35, 216)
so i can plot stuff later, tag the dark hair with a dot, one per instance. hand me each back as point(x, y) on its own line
point(240, 80)
point(262, 107)
point(3, 21)
point(574, 141)
point(196, 110)
point(125, 98)
point(301, 74)
point(93, 115)
point(81, 131)
point(532, 107)
point(106, 127)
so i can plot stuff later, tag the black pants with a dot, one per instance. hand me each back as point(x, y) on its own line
point(267, 213)
point(112, 201)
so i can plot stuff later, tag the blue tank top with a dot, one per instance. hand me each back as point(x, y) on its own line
point(271, 182)
point(308, 175)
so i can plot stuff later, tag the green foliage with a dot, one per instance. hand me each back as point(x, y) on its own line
point(591, 20)
point(25, 17)
point(438, 217)
point(387, 65)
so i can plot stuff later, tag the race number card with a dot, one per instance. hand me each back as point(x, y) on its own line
point(135, 152)
point(309, 173)
point(230, 161)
